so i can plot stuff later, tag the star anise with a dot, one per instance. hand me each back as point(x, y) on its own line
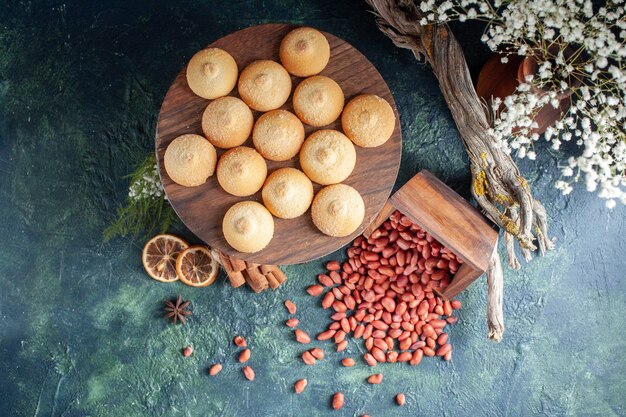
point(177, 310)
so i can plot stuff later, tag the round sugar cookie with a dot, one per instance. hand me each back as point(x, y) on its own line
point(264, 85)
point(241, 171)
point(227, 122)
point(304, 52)
point(287, 193)
point(248, 227)
point(368, 120)
point(278, 135)
point(189, 160)
point(212, 73)
point(338, 210)
point(327, 157)
point(318, 100)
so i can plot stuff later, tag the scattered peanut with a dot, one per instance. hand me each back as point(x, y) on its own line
point(308, 358)
point(292, 322)
point(347, 362)
point(317, 353)
point(248, 373)
point(215, 369)
point(244, 356)
point(187, 351)
point(302, 336)
point(240, 341)
point(300, 385)
point(315, 290)
point(290, 306)
point(338, 400)
point(375, 379)
point(400, 399)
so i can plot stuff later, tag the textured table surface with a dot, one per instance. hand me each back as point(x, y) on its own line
point(80, 333)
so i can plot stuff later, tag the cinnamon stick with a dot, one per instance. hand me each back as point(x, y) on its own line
point(256, 280)
point(280, 276)
point(272, 280)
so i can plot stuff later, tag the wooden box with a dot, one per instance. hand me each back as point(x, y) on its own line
point(451, 220)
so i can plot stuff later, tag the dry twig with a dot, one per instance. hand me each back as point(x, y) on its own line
point(497, 185)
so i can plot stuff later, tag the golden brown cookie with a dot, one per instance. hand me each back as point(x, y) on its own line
point(248, 227)
point(241, 171)
point(227, 122)
point(304, 52)
point(287, 193)
point(368, 120)
point(337, 210)
point(264, 85)
point(327, 157)
point(278, 135)
point(189, 160)
point(318, 100)
point(212, 73)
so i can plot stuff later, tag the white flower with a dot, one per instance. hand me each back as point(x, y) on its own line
point(596, 119)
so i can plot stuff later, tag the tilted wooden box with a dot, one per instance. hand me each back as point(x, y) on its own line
point(450, 219)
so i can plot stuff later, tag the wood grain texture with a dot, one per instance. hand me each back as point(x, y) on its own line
point(462, 279)
point(295, 241)
point(448, 217)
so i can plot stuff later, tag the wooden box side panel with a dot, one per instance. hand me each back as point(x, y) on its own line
point(448, 218)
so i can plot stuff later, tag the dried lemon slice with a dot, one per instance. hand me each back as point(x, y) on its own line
point(159, 257)
point(196, 266)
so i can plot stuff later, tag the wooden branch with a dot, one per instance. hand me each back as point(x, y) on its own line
point(495, 281)
point(497, 185)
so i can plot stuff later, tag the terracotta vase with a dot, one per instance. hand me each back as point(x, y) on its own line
point(497, 79)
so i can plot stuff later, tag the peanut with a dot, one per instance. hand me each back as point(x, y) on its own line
point(292, 322)
point(302, 336)
point(244, 356)
point(315, 290)
point(341, 346)
point(187, 351)
point(328, 300)
point(248, 373)
point(308, 358)
point(300, 385)
point(333, 266)
point(347, 362)
point(375, 379)
point(215, 369)
point(370, 359)
point(400, 399)
point(338, 400)
point(326, 335)
point(317, 353)
point(240, 341)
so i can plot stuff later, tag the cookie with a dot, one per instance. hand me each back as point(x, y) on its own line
point(304, 52)
point(318, 100)
point(287, 193)
point(327, 157)
point(338, 210)
point(264, 85)
point(368, 120)
point(248, 227)
point(227, 122)
point(278, 135)
point(212, 73)
point(241, 171)
point(189, 160)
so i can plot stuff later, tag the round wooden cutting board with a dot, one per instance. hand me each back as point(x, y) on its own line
point(297, 240)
